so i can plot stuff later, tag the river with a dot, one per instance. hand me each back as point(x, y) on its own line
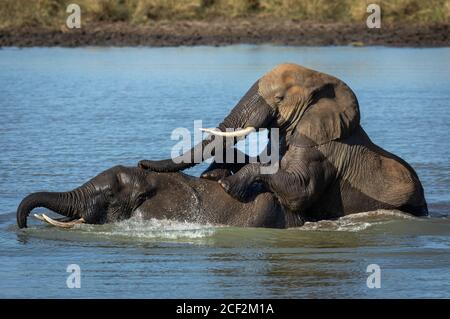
point(68, 114)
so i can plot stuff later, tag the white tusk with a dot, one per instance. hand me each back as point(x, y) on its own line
point(38, 216)
point(58, 223)
point(62, 219)
point(238, 133)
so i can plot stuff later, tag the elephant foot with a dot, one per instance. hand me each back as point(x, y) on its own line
point(234, 186)
point(216, 174)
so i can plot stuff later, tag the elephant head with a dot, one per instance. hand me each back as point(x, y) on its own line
point(315, 106)
point(110, 196)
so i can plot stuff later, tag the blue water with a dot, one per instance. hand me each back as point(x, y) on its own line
point(68, 114)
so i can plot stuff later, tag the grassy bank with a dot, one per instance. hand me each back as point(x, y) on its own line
point(51, 13)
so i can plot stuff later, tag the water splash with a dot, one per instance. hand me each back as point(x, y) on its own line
point(137, 228)
point(357, 222)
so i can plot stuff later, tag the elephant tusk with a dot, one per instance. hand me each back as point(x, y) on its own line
point(38, 216)
point(57, 223)
point(63, 219)
point(238, 133)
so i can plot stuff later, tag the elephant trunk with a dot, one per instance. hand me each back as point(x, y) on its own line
point(250, 111)
point(68, 204)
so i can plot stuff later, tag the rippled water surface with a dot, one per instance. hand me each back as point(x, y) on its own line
point(68, 114)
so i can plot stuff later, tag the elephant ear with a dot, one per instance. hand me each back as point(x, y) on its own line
point(332, 113)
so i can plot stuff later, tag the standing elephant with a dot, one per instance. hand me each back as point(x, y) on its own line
point(123, 192)
point(329, 167)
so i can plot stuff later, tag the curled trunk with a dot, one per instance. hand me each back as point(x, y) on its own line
point(66, 203)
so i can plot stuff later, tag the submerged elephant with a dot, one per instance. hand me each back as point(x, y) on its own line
point(328, 165)
point(123, 192)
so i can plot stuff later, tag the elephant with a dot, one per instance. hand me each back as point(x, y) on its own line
point(122, 192)
point(328, 165)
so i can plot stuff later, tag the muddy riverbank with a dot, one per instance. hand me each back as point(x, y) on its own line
point(225, 32)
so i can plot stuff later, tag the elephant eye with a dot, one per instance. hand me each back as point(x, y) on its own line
point(144, 196)
point(109, 194)
point(279, 98)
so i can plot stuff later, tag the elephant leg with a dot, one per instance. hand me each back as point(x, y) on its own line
point(296, 192)
point(293, 191)
point(297, 184)
point(237, 184)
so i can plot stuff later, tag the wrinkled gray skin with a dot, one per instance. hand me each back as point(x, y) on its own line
point(329, 167)
point(122, 192)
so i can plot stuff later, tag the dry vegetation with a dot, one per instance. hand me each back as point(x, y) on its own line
point(51, 13)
